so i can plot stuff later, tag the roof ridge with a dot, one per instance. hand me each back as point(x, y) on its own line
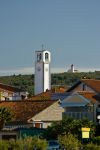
point(90, 79)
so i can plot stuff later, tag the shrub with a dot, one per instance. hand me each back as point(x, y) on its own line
point(96, 140)
point(91, 146)
point(3, 145)
point(28, 143)
point(69, 142)
point(13, 144)
point(38, 143)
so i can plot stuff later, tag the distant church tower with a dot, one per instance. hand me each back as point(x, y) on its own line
point(72, 68)
point(42, 71)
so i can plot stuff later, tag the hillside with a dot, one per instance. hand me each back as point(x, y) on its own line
point(58, 79)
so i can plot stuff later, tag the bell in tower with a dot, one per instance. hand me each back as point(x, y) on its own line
point(42, 71)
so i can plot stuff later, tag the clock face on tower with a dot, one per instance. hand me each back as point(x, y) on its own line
point(46, 69)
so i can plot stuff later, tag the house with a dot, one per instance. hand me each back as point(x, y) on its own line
point(83, 100)
point(90, 85)
point(33, 113)
point(54, 94)
point(8, 92)
point(80, 105)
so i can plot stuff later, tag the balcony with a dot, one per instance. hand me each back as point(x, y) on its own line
point(79, 115)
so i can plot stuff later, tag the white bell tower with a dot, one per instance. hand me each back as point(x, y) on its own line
point(42, 71)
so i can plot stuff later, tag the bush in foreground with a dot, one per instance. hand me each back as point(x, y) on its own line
point(69, 142)
point(91, 146)
point(28, 143)
point(96, 140)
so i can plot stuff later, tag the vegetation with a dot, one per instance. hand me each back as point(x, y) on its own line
point(5, 116)
point(69, 142)
point(96, 140)
point(91, 146)
point(3, 145)
point(26, 82)
point(69, 125)
point(68, 133)
point(28, 143)
point(68, 79)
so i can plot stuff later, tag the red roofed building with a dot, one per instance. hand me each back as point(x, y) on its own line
point(89, 85)
point(83, 100)
point(8, 92)
point(33, 113)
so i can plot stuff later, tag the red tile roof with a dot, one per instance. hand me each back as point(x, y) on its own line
point(59, 89)
point(94, 84)
point(24, 110)
point(42, 96)
point(90, 96)
point(47, 95)
point(9, 88)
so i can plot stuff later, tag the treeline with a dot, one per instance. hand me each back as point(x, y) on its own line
point(70, 78)
point(26, 82)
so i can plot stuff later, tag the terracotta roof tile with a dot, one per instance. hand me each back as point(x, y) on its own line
point(94, 84)
point(42, 96)
point(90, 96)
point(9, 88)
point(47, 95)
point(24, 110)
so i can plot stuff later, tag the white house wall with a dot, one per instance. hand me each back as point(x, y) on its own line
point(50, 114)
point(7, 95)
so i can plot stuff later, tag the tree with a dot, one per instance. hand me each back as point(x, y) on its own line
point(26, 143)
point(68, 125)
point(5, 116)
point(69, 142)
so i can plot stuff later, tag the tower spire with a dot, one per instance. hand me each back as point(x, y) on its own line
point(42, 47)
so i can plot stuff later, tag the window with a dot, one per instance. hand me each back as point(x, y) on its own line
point(39, 57)
point(46, 56)
point(38, 125)
point(84, 87)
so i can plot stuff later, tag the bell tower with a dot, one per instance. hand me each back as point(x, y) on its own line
point(42, 71)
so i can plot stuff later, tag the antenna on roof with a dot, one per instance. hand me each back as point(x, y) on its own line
point(42, 47)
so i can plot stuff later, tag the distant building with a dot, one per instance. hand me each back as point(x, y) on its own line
point(42, 71)
point(9, 93)
point(72, 69)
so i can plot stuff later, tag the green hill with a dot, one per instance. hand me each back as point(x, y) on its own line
point(26, 82)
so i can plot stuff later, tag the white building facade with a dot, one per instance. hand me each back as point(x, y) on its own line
point(42, 71)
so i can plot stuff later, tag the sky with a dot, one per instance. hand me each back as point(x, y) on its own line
point(69, 29)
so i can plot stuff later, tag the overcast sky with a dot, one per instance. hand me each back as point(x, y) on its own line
point(70, 29)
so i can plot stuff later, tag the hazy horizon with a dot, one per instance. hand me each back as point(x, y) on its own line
point(30, 70)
